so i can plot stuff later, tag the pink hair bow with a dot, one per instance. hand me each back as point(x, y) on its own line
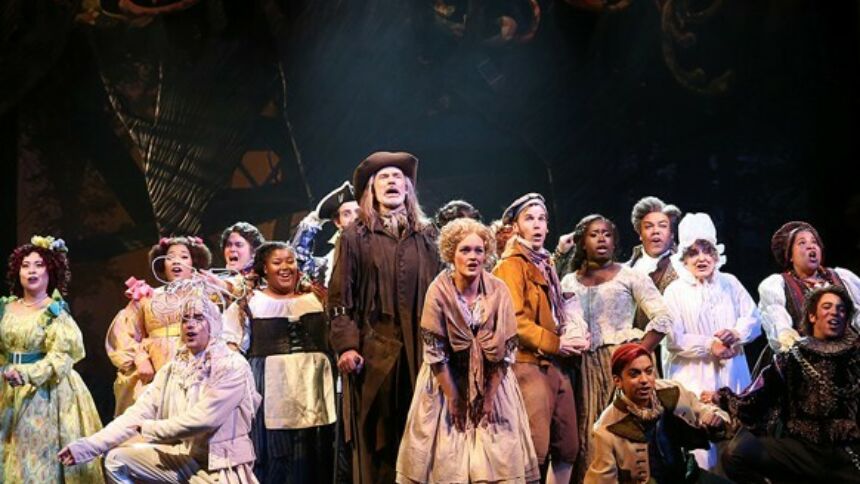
point(137, 289)
point(196, 240)
point(164, 241)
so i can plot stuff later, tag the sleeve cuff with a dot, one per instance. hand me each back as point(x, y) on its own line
point(787, 338)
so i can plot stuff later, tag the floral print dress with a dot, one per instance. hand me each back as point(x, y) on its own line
point(54, 406)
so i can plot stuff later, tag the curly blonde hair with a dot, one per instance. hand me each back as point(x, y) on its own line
point(457, 230)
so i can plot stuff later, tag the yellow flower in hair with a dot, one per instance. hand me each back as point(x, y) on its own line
point(43, 242)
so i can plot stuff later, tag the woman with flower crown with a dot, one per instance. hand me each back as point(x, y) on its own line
point(44, 404)
point(145, 334)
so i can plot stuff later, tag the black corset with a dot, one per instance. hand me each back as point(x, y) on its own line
point(280, 336)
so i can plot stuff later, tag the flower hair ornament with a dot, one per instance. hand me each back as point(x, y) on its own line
point(49, 243)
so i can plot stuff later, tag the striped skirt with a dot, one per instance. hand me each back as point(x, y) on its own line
point(594, 390)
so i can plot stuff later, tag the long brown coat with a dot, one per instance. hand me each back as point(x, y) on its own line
point(375, 298)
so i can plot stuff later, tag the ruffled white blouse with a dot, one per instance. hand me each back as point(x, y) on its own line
point(609, 308)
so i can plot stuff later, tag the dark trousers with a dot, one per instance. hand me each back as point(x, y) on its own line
point(751, 459)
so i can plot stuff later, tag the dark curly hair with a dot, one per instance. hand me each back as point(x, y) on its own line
point(455, 209)
point(810, 305)
point(56, 262)
point(201, 258)
point(263, 252)
point(579, 254)
point(247, 231)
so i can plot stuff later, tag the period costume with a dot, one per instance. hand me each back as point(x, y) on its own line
point(146, 329)
point(781, 295)
point(540, 311)
point(286, 344)
point(700, 309)
point(475, 341)
point(53, 407)
point(660, 269)
point(609, 309)
point(376, 293)
point(635, 445)
point(195, 417)
point(800, 416)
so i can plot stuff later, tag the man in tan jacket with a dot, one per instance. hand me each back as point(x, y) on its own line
point(526, 269)
point(646, 434)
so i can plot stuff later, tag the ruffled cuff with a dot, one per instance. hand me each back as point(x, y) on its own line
point(137, 289)
point(660, 324)
point(786, 339)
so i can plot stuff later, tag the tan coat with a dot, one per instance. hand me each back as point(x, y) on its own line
point(529, 289)
point(621, 448)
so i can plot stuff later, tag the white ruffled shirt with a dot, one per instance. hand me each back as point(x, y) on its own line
point(699, 310)
point(775, 319)
point(647, 264)
point(609, 308)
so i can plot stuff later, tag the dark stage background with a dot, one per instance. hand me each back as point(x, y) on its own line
point(115, 128)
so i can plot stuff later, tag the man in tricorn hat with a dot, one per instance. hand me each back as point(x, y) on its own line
point(340, 207)
point(384, 263)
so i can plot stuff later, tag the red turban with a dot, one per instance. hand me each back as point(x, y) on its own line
point(625, 354)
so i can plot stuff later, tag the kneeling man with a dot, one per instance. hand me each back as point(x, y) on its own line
point(192, 422)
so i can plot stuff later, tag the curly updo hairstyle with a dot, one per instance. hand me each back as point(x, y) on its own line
point(457, 230)
point(201, 258)
point(579, 254)
point(57, 264)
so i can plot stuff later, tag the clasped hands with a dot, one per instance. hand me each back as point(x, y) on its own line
point(724, 347)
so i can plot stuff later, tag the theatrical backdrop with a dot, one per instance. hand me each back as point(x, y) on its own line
point(121, 121)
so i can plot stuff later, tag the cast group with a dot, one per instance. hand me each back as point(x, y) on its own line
point(441, 350)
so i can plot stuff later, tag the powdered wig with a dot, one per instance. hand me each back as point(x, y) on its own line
point(579, 255)
point(810, 305)
point(248, 232)
point(201, 258)
point(653, 204)
point(369, 214)
point(56, 263)
point(457, 230)
point(198, 301)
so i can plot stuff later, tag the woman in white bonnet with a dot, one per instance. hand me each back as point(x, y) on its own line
point(714, 317)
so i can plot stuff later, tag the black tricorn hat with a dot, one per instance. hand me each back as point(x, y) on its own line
point(330, 204)
point(407, 163)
